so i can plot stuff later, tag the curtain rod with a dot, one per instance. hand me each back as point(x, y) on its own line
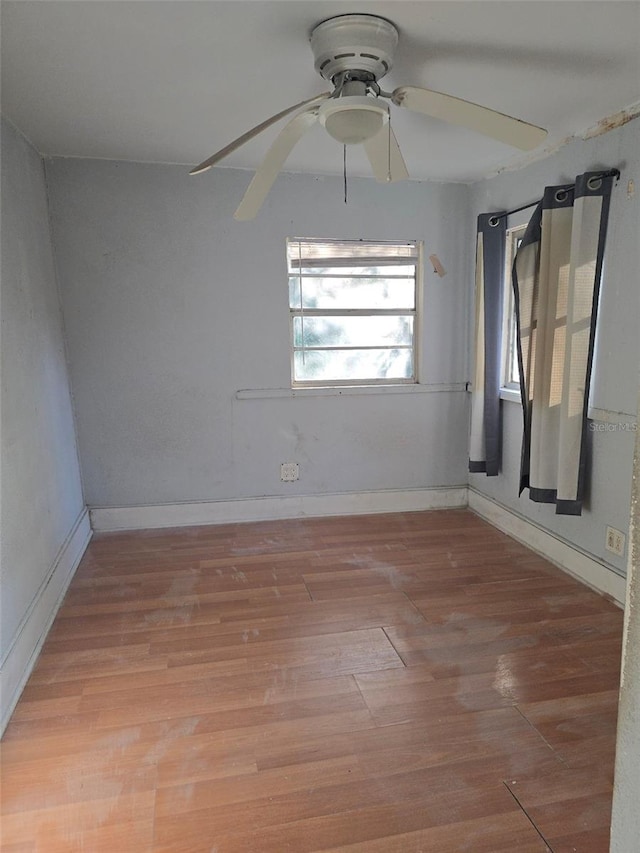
point(610, 173)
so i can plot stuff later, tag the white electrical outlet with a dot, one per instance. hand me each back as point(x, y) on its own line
point(615, 541)
point(289, 472)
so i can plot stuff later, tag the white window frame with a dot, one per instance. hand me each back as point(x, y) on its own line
point(509, 383)
point(416, 314)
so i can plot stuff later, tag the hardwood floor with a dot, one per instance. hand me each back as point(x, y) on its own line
point(372, 684)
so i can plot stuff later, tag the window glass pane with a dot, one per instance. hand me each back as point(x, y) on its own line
point(333, 252)
point(353, 293)
point(349, 270)
point(352, 331)
point(357, 365)
point(511, 372)
point(353, 307)
point(515, 368)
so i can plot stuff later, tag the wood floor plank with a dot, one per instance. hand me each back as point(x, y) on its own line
point(426, 741)
point(54, 827)
point(593, 840)
point(572, 816)
point(205, 704)
point(503, 685)
point(315, 657)
point(371, 684)
point(247, 623)
point(50, 782)
point(496, 834)
point(343, 826)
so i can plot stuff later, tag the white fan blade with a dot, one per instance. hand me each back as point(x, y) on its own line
point(385, 156)
point(263, 179)
point(504, 128)
point(232, 146)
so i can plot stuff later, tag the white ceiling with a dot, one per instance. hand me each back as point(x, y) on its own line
point(173, 82)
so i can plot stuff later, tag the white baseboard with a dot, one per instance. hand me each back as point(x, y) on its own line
point(23, 652)
point(573, 561)
point(270, 508)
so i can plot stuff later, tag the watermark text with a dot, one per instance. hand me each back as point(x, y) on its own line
point(619, 426)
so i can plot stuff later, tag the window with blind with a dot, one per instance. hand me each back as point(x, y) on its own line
point(354, 311)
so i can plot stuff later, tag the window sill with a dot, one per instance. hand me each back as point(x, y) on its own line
point(348, 391)
point(512, 395)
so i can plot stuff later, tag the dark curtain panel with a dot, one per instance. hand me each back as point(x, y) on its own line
point(484, 451)
point(556, 281)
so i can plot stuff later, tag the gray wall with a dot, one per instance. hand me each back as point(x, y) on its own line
point(41, 493)
point(614, 383)
point(171, 307)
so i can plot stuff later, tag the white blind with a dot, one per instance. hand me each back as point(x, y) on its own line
point(349, 253)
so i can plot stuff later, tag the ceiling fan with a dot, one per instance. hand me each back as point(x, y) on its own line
point(354, 52)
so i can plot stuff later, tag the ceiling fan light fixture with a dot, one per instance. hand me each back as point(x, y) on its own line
point(353, 119)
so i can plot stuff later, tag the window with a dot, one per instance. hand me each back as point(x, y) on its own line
point(510, 369)
point(353, 308)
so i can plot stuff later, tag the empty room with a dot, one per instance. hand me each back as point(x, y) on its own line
point(320, 481)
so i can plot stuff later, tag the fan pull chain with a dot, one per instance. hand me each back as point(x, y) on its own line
point(344, 169)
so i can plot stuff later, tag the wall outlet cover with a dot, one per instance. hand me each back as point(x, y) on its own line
point(289, 472)
point(615, 540)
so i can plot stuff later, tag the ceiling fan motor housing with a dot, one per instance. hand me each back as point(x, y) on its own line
point(354, 43)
